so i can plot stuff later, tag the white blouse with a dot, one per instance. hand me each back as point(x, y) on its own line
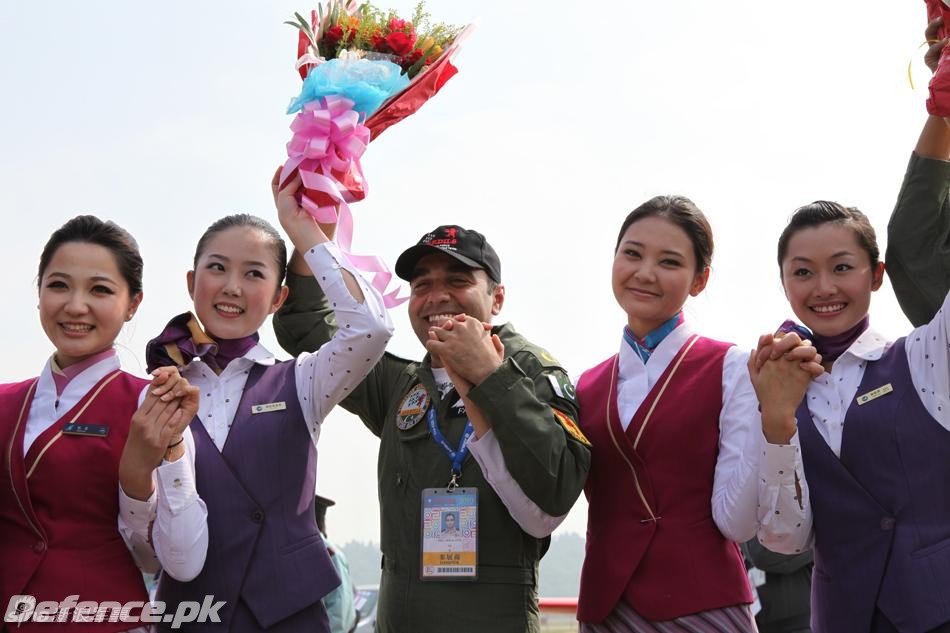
point(786, 522)
point(324, 377)
point(175, 503)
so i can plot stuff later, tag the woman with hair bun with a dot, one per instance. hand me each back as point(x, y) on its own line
point(858, 460)
point(673, 425)
point(89, 451)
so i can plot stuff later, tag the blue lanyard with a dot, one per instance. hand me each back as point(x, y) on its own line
point(456, 455)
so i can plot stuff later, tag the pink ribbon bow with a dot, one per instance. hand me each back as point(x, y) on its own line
point(326, 148)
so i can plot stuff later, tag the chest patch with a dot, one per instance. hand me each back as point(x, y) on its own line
point(412, 408)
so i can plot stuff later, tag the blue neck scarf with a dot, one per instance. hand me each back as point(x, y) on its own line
point(644, 347)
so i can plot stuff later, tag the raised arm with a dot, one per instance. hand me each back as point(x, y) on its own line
point(784, 510)
point(161, 517)
point(332, 368)
point(918, 234)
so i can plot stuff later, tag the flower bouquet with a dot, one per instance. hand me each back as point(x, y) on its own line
point(364, 70)
point(938, 102)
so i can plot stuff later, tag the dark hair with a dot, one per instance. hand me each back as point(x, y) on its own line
point(109, 235)
point(682, 212)
point(254, 222)
point(824, 212)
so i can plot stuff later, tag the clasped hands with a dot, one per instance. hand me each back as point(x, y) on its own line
point(156, 431)
point(780, 369)
point(467, 349)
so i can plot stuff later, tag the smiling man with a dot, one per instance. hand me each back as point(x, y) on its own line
point(483, 427)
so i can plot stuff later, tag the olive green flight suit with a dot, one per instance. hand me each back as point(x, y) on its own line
point(918, 239)
point(546, 459)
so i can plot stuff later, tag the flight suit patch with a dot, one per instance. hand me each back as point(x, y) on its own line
point(562, 387)
point(412, 408)
point(571, 427)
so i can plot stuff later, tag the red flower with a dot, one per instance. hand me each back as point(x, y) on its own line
point(400, 43)
point(396, 24)
point(333, 35)
point(379, 42)
point(407, 61)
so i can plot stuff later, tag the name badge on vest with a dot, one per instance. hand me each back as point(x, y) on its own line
point(88, 430)
point(449, 534)
point(876, 393)
point(267, 408)
point(412, 408)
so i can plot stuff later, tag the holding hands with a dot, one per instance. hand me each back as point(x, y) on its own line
point(468, 349)
point(156, 432)
point(780, 369)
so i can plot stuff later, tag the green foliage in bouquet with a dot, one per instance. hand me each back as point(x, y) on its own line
point(367, 30)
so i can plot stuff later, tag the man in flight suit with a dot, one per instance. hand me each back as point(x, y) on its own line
point(528, 458)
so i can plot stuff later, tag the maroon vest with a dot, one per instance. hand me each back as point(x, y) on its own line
point(651, 539)
point(59, 504)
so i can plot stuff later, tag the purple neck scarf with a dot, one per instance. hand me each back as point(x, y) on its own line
point(830, 347)
point(183, 339)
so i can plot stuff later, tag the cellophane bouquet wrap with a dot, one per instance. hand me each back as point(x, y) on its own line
point(363, 70)
point(938, 101)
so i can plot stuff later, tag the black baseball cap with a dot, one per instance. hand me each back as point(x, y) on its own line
point(465, 245)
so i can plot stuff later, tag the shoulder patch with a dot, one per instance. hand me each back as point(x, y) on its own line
point(562, 387)
point(547, 358)
point(412, 408)
point(543, 357)
point(571, 427)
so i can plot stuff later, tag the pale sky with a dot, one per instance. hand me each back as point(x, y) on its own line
point(563, 118)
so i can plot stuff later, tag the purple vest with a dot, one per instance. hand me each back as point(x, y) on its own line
point(881, 511)
point(266, 558)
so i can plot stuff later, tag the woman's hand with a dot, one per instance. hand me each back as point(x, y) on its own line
point(790, 346)
point(467, 348)
point(300, 226)
point(156, 431)
point(932, 56)
point(780, 370)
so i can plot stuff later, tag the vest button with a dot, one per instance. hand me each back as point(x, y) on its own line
point(257, 516)
point(887, 523)
point(39, 547)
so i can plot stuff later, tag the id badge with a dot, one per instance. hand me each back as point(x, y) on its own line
point(89, 430)
point(449, 534)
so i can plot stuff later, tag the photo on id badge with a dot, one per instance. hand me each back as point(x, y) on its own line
point(449, 534)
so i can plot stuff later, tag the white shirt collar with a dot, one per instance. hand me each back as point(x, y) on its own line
point(870, 346)
point(84, 379)
point(260, 355)
point(631, 365)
